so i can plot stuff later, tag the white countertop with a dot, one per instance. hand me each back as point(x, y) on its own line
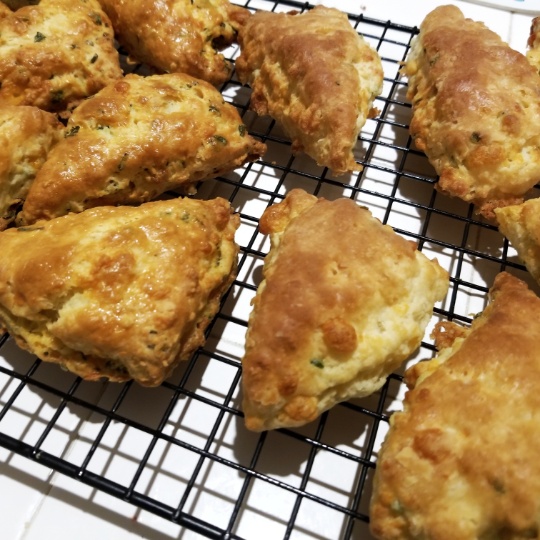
point(39, 504)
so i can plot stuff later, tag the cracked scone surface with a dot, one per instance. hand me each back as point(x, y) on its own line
point(178, 35)
point(475, 103)
point(55, 54)
point(118, 292)
point(459, 462)
point(27, 134)
point(136, 139)
point(343, 302)
point(316, 76)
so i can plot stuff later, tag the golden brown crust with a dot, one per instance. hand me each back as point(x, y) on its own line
point(475, 101)
point(460, 461)
point(118, 292)
point(27, 134)
point(343, 302)
point(136, 139)
point(314, 74)
point(56, 53)
point(178, 35)
point(521, 225)
point(533, 44)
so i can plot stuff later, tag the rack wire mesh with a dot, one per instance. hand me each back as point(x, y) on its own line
point(181, 451)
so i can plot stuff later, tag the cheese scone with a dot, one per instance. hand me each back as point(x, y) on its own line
point(475, 102)
point(178, 35)
point(315, 75)
point(27, 134)
point(460, 461)
point(136, 139)
point(343, 302)
point(118, 292)
point(533, 44)
point(55, 54)
point(520, 223)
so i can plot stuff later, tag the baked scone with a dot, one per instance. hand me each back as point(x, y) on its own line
point(475, 102)
point(178, 35)
point(343, 302)
point(27, 134)
point(520, 223)
point(533, 44)
point(460, 461)
point(315, 75)
point(136, 139)
point(118, 292)
point(55, 54)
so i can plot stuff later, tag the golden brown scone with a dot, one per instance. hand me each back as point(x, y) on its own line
point(178, 35)
point(56, 53)
point(533, 44)
point(136, 139)
point(475, 103)
point(118, 292)
point(460, 462)
point(27, 134)
point(314, 74)
point(520, 223)
point(343, 302)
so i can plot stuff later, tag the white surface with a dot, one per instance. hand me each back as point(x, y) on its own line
point(37, 504)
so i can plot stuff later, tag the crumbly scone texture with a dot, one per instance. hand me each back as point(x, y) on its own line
point(118, 292)
point(55, 54)
point(316, 76)
point(533, 44)
point(27, 135)
point(475, 103)
point(520, 223)
point(136, 139)
point(178, 35)
point(460, 461)
point(343, 302)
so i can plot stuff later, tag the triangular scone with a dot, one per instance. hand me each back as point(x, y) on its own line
point(343, 302)
point(520, 223)
point(178, 35)
point(475, 103)
point(118, 292)
point(136, 139)
point(27, 134)
point(316, 76)
point(54, 54)
point(461, 460)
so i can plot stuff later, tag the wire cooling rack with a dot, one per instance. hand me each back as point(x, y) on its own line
point(181, 451)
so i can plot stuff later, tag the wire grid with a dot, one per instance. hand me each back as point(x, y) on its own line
point(180, 451)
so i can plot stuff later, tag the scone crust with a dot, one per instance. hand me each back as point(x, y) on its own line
point(475, 101)
point(343, 302)
point(314, 74)
point(55, 54)
point(520, 223)
point(178, 35)
point(118, 292)
point(460, 461)
point(27, 135)
point(533, 44)
point(136, 139)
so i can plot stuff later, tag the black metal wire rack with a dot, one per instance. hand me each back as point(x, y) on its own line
point(180, 451)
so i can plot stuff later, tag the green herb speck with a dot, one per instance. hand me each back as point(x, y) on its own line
point(39, 37)
point(73, 131)
point(242, 130)
point(317, 362)
point(94, 58)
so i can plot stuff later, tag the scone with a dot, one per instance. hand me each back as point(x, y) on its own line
point(178, 35)
point(55, 54)
point(118, 292)
point(520, 223)
point(533, 44)
point(27, 135)
point(315, 75)
point(460, 461)
point(475, 102)
point(136, 139)
point(343, 302)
